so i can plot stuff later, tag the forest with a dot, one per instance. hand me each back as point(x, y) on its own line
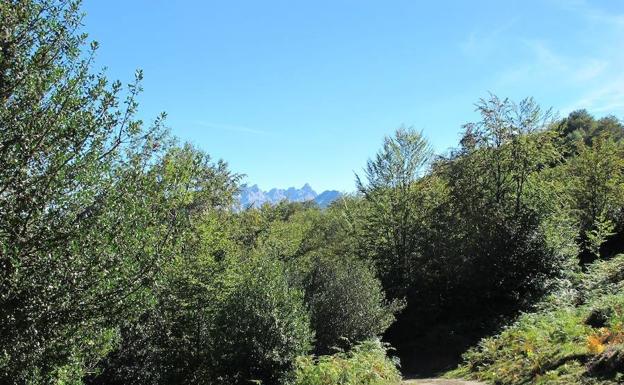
point(124, 258)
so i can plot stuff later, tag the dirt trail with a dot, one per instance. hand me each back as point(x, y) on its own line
point(439, 381)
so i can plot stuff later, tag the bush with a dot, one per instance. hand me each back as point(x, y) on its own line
point(261, 326)
point(346, 303)
point(216, 322)
point(365, 364)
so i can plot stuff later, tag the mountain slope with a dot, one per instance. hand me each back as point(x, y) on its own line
point(325, 198)
point(253, 196)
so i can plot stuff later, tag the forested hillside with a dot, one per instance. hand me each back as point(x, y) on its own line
point(122, 260)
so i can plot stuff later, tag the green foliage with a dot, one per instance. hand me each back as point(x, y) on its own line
point(345, 299)
point(533, 346)
point(229, 311)
point(75, 178)
point(92, 200)
point(346, 303)
point(172, 342)
point(81, 360)
point(366, 364)
point(477, 224)
point(122, 260)
point(596, 177)
point(602, 278)
point(260, 327)
point(559, 345)
point(395, 209)
point(580, 125)
point(401, 161)
point(479, 237)
point(218, 321)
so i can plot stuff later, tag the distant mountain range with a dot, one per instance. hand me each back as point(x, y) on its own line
point(255, 197)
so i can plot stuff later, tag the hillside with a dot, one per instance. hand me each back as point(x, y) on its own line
point(576, 338)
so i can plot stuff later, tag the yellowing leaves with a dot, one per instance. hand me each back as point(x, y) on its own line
point(598, 342)
point(595, 344)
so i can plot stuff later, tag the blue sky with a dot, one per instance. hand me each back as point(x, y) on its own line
point(290, 92)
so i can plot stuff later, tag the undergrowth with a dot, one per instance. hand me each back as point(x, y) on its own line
point(365, 364)
point(576, 338)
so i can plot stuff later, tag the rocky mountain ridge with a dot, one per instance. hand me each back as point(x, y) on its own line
point(254, 196)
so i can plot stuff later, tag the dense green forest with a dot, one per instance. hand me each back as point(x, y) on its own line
point(124, 259)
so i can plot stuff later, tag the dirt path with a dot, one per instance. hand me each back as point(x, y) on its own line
point(438, 381)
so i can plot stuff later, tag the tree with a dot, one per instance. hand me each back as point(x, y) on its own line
point(496, 206)
point(473, 239)
point(507, 145)
point(580, 125)
point(79, 175)
point(596, 185)
point(395, 206)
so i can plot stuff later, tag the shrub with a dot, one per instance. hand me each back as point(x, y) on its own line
point(366, 364)
point(260, 327)
point(346, 303)
point(216, 322)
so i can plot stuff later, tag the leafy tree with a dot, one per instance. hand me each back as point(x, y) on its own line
point(344, 297)
point(253, 226)
point(576, 126)
point(172, 341)
point(79, 175)
point(580, 125)
point(394, 207)
point(472, 240)
point(219, 319)
point(596, 185)
point(507, 145)
point(71, 162)
point(496, 208)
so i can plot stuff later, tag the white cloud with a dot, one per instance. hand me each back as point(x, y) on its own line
point(591, 70)
point(607, 98)
point(605, 94)
point(585, 69)
point(545, 63)
point(591, 12)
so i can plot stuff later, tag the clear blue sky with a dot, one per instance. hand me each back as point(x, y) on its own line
point(290, 92)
